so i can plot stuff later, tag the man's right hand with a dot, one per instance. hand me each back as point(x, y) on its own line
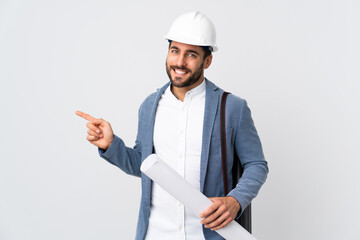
point(99, 131)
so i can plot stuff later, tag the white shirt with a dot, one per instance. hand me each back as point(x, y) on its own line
point(177, 141)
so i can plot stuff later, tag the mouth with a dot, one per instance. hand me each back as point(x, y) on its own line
point(180, 72)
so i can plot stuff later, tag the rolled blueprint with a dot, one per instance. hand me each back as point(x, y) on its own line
point(184, 192)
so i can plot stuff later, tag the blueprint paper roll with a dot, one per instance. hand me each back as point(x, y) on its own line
point(184, 192)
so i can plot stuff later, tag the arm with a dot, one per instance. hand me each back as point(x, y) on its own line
point(111, 147)
point(249, 150)
point(127, 159)
point(248, 147)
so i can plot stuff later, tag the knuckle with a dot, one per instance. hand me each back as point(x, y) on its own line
point(91, 138)
point(223, 208)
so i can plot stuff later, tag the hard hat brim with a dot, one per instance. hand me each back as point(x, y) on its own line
point(191, 42)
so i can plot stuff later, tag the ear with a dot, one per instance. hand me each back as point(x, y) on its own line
point(207, 61)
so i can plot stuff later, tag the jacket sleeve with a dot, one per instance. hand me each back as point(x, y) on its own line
point(249, 150)
point(127, 159)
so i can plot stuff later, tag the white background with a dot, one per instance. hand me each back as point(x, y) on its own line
point(296, 62)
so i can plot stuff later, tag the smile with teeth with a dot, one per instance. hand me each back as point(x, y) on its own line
point(180, 72)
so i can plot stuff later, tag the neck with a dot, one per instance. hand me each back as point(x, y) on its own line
point(179, 92)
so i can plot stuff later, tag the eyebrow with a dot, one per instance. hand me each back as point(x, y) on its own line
point(192, 51)
point(188, 51)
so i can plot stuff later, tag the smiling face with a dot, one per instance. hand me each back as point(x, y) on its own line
point(185, 65)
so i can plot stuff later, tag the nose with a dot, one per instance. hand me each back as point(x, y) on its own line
point(180, 61)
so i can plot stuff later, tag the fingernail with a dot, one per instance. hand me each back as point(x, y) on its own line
point(97, 130)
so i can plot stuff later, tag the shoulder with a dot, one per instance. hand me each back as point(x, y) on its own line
point(149, 100)
point(232, 101)
point(236, 106)
point(153, 98)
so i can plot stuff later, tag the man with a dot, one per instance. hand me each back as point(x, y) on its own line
point(181, 124)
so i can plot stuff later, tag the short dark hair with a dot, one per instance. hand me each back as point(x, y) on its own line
point(207, 51)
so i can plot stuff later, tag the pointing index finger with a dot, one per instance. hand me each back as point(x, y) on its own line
point(88, 117)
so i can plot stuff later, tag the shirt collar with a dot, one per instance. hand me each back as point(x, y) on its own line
point(193, 92)
point(197, 90)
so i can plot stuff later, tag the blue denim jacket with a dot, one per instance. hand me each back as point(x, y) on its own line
point(241, 136)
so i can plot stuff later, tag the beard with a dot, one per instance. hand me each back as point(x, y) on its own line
point(193, 78)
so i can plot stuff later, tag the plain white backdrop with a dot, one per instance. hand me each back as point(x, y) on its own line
point(296, 62)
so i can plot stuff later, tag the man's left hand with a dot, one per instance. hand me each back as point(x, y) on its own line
point(220, 213)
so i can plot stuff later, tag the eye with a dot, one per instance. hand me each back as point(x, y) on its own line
point(174, 51)
point(192, 55)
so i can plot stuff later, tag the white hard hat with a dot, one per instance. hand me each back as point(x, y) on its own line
point(193, 28)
